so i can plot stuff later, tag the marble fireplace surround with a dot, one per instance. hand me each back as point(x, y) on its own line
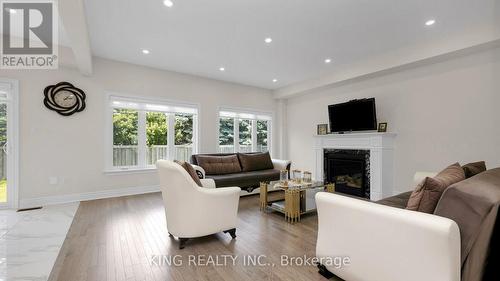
point(381, 147)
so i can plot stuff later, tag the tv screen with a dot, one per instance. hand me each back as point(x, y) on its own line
point(356, 115)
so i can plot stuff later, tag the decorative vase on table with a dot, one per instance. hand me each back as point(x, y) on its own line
point(284, 177)
point(307, 178)
point(297, 176)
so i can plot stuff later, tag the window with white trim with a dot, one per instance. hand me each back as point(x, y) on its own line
point(145, 131)
point(244, 131)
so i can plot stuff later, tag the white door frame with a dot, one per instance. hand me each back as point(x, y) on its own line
point(12, 88)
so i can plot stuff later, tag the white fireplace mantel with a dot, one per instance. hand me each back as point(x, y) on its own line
point(381, 147)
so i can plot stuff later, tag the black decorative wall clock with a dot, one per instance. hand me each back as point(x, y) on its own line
point(64, 98)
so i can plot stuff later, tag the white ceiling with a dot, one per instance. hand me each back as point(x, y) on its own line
point(199, 36)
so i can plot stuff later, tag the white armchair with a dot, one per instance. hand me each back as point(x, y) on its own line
point(194, 211)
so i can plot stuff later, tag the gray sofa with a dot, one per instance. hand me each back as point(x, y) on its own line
point(245, 170)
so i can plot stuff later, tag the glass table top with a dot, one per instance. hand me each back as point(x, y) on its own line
point(296, 185)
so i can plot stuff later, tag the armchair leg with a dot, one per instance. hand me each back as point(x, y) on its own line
point(231, 232)
point(324, 272)
point(182, 242)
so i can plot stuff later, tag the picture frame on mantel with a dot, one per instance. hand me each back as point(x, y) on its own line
point(382, 127)
point(322, 129)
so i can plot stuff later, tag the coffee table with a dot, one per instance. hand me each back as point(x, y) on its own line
point(298, 197)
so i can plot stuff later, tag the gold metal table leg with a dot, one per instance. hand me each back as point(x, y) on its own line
point(292, 205)
point(263, 196)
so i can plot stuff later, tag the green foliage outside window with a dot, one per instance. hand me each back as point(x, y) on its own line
point(183, 129)
point(125, 126)
point(156, 128)
point(226, 131)
point(261, 132)
point(3, 123)
point(245, 132)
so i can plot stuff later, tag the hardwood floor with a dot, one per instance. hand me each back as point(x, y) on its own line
point(123, 238)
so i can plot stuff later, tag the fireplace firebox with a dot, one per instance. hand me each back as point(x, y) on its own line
point(349, 170)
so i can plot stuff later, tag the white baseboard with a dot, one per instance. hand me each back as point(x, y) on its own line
point(61, 199)
point(108, 193)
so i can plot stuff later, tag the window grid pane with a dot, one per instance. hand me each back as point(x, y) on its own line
point(226, 135)
point(245, 135)
point(156, 137)
point(125, 126)
point(183, 136)
point(262, 136)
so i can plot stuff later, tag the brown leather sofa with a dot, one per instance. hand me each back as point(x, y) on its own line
point(245, 170)
point(474, 205)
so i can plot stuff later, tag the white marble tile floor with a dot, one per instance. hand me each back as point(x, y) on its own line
point(30, 241)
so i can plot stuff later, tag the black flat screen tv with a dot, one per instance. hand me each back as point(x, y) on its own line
point(355, 115)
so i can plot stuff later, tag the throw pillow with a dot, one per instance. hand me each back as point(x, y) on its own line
point(427, 194)
point(473, 169)
point(190, 170)
point(255, 161)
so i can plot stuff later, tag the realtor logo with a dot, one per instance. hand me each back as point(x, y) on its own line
point(29, 35)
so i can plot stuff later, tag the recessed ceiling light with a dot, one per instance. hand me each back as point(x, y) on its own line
point(328, 60)
point(430, 22)
point(12, 11)
point(144, 51)
point(268, 40)
point(168, 3)
point(222, 69)
point(275, 80)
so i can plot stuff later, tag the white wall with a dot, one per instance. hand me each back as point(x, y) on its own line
point(73, 148)
point(442, 113)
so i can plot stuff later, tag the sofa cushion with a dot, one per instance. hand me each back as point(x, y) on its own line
point(190, 170)
point(473, 169)
point(426, 196)
point(194, 157)
point(245, 179)
point(255, 161)
point(219, 165)
point(397, 201)
point(474, 205)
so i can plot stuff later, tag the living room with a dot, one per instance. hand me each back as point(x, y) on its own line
point(248, 97)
